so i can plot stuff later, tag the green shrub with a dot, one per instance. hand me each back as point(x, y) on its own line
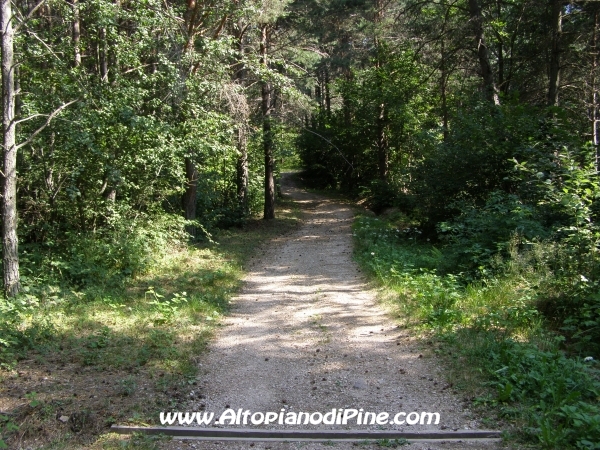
point(20, 329)
point(492, 328)
point(477, 235)
point(126, 248)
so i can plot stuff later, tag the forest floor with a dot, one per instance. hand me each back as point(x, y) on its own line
point(307, 334)
point(119, 353)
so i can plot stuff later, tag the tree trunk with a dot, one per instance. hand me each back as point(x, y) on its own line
point(556, 23)
point(443, 89)
point(111, 191)
point(103, 55)
point(327, 93)
point(489, 86)
point(269, 210)
point(10, 243)
point(594, 82)
point(191, 174)
point(189, 197)
point(76, 33)
point(242, 169)
point(241, 137)
point(381, 119)
point(382, 143)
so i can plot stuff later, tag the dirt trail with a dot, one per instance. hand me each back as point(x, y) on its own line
point(306, 334)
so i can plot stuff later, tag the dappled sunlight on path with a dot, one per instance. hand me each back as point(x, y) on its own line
point(306, 334)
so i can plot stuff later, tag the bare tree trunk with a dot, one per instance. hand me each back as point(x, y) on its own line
point(327, 93)
point(490, 88)
point(500, 51)
point(382, 142)
point(555, 53)
point(269, 210)
point(76, 33)
point(242, 169)
point(319, 92)
point(10, 243)
point(381, 120)
point(443, 89)
point(189, 197)
point(241, 137)
point(111, 190)
point(594, 83)
point(191, 173)
point(102, 53)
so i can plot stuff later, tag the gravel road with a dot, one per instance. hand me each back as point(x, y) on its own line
point(307, 335)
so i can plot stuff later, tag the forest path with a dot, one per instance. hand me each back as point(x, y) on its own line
point(306, 334)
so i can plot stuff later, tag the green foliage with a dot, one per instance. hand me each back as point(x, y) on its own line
point(474, 160)
point(166, 308)
point(380, 194)
point(392, 443)
point(337, 148)
point(493, 326)
point(7, 426)
point(477, 235)
point(21, 329)
point(126, 247)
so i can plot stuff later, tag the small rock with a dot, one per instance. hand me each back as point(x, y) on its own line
point(64, 419)
point(359, 384)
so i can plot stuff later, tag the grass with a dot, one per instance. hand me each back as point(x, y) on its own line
point(502, 354)
point(104, 355)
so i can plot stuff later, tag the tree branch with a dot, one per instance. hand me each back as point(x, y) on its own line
point(28, 16)
point(50, 117)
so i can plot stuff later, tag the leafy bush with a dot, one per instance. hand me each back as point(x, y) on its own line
point(493, 327)
point(126, 248)
point(380, 194)
point(478, 234)
point(474, 160)
point(561, 393)
point(20, 330)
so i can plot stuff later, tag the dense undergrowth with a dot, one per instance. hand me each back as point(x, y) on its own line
point(124, 318)
point(492, 323)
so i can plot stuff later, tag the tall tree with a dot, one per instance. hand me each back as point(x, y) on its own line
point(556, 27)
point(240, 112)
point(489, 85)
point(266, 109)
point(10, 243)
